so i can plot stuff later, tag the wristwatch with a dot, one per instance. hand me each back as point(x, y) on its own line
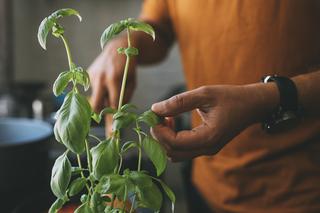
point(288, 113)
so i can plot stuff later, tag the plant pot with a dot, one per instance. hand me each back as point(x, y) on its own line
point(23, 159)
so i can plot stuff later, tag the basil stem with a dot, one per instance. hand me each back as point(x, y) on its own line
point(140, 145)
point(125, 74)
point(81, 172)
point(67, 50)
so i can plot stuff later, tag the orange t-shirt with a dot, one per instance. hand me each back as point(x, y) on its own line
point(237, 42)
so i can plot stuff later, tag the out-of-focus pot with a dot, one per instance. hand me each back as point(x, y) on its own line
point(24, 146)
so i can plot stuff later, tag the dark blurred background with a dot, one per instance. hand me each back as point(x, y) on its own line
point(27, 73)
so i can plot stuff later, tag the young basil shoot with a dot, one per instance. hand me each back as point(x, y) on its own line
point(104, 180)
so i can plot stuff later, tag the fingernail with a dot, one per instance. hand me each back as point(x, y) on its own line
point(154, 107)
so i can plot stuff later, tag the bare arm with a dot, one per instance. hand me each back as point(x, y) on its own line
point(309, 92)
point(154, 51)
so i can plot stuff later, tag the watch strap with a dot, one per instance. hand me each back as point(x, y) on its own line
point(287, 90)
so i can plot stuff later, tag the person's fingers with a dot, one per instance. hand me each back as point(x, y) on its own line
point(177, 156)
point(184, 151)
point(131, 80)
point(196, 138)
point(108, 124)
point(129, 91)
point(169, 121)
point(180, 103)
point(114, 88)
point(99, 94)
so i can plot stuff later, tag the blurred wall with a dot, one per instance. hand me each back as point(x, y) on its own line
point(34, 64)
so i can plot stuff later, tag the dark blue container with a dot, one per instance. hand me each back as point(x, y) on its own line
point(24, 161)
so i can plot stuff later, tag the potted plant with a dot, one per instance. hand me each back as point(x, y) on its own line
point(103, 180)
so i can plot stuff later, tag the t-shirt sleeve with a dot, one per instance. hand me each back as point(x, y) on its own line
point(155, 11)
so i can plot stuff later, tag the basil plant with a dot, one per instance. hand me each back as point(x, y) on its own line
point(104, 181)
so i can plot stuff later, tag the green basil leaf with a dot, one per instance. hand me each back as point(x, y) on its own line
point(96, 117)
point(106, 199)
point(82, 77)
point(61, 175)
point(96, 199)
point(73, 122)
point(109, 209)
point(128, 107)
point(77, 186)
point(65, 12)
point(128, 145)
point(105, 158)
point(116, 184)
point(156, 153)
point(84, 208)
point(123, 120)
point(84, 198)
point(57, 30)
point(121, 50)
point(56, 206)
point(150, 118)
point(49, 22)
point(61, 82)
point(169, 193)
point(110, 32)
point(140, 179)
point(97, 202)
point(129, 51)
point(108, 110)
point(56, 134)
point(137, 25)
point(111, 184)
point(43, 31)
point(149, 197)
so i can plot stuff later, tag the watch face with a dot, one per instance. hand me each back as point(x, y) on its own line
point(285, 121)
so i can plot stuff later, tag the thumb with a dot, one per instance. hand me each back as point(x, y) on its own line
point(180, 103)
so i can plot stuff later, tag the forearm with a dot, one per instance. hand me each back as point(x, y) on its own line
point(155, 51)
point(265, 97)
point(308, 86)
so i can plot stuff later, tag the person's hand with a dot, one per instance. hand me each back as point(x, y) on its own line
point(225, 111)
point(106, 77)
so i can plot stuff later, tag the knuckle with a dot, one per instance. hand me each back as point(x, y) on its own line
point(178, 101)
point(94, 75)
point(114, 76)
point(205, 90)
